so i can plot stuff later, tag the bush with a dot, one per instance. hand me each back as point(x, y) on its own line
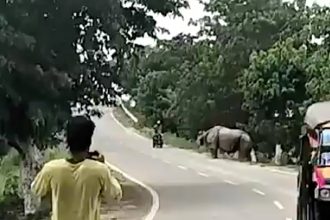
point(179, 142)
point(4, 148)
point(55, 153)
point(11, 203)
point(9, 175)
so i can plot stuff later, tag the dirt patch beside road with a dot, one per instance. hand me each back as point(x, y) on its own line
point(135, 204)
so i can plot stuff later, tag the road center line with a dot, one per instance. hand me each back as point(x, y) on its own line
point(291, 173)
point(182, 167)
point(258, 192)
point(278, 205)
point(230, 182)
point(203, 174)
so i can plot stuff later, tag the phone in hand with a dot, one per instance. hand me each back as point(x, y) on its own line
point(95, 155)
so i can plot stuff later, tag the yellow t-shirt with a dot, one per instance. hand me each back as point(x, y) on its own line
point(76, 189)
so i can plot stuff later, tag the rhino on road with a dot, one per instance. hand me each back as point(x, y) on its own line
point(222, 140)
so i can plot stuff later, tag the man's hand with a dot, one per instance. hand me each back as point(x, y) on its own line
point(95, 155)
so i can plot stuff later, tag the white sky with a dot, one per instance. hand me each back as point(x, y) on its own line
point(179, 25)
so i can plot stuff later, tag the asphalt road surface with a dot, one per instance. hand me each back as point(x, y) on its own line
point(192, 186)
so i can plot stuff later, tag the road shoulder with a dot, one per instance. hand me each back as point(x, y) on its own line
point(136, 202)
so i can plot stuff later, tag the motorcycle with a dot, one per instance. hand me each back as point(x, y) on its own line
point(157, 140)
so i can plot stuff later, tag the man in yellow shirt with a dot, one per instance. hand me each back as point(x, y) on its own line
point(78, 184)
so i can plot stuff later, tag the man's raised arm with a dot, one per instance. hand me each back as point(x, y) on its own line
point(111, 188)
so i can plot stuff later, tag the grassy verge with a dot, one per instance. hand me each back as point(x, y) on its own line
point(11, 202)
point(169, 139)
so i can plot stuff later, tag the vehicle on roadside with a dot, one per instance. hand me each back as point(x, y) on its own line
point(157, 140)
point(313, 180)
point(157, 137)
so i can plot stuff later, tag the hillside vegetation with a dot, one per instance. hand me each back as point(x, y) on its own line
point(258, 66)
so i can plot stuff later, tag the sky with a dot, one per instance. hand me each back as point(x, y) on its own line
point(179, 25)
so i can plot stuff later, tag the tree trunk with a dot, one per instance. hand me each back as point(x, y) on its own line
point(253, 156)
point(30, 165)
point(278, 154)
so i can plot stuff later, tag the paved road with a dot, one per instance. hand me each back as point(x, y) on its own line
point(192, 186)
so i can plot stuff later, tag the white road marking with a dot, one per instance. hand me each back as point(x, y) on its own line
point(291, 173)
point(127, 130)
point(258, 192)
point(128, 113)
point(231, 182)
point(288, 218)
point(182, 167)
point(278, 205)
point(210, 168)
point(155, 197)
point(203, 174)
point(166, 161)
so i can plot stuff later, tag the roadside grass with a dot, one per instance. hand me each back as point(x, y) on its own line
point(169, 138)
point(56, 153)
point(179, 142)
point(174, 141)
point(121, 116)
point(11, 203)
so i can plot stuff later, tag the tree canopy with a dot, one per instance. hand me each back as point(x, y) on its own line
point(55, 54)
point(254, 63)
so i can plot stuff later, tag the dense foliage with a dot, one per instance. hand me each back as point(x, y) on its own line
point(255, 64)
point(55, 55)
point(257, 67)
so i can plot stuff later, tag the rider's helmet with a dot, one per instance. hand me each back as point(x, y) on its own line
point(158, 122)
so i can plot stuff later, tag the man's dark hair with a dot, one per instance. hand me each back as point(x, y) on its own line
point(80, 130)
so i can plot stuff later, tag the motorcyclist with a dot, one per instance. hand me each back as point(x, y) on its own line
point(157, 133)
point(158, 127)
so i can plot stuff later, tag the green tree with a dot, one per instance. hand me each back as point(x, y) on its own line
point(319, 76)
point(242, 27)
point(318, 65)
point(282, 81)
point(56, 54)
point(259, 54)
point(274, 90)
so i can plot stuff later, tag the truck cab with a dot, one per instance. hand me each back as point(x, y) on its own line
point(313, 183)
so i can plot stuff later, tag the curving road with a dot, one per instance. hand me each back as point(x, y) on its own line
point(192, 186)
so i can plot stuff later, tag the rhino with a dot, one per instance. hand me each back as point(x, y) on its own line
point(223, 140)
